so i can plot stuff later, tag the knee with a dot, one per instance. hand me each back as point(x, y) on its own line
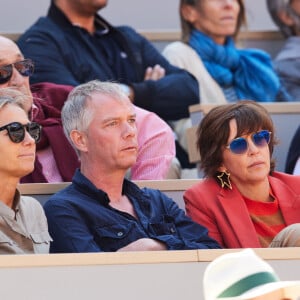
point(288, 237)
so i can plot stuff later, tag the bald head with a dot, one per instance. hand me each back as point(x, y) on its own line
point(10, 54)
point(9, 51)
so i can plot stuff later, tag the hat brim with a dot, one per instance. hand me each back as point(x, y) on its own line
point(291, 289)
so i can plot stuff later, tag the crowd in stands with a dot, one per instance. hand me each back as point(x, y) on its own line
point(73, 37)
point(156, 140)
point(97, 105)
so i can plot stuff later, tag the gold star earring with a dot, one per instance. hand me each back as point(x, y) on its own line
point(224, 179)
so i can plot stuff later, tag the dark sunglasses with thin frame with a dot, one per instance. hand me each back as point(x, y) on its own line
point(16, 131)
point(24, 67)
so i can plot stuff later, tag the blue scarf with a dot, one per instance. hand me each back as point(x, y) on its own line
point(249, 72)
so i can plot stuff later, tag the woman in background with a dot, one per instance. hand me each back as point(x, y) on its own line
point(208, 51)
point(242, 201)
point(286, 15)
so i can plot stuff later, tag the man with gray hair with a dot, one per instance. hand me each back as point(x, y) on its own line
point(286, 15)
point(101, 210)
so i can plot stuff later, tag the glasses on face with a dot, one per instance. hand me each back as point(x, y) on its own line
point(16, 131)
point(240, 144)
point(24, 67)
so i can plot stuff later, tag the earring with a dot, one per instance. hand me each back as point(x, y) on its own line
point(224, 179)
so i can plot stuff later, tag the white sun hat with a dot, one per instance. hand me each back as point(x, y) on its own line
point(244, 275)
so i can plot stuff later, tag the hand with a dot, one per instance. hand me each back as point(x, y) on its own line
point(155, 73)
point(144, 244)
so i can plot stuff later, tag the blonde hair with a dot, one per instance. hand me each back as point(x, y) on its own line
point(12, 96)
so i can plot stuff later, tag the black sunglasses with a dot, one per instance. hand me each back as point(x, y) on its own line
point(24, 67)
point(16, 131)
point(240, 144)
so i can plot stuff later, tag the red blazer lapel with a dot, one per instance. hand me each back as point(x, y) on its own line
point(289, 201)
point(237, 216)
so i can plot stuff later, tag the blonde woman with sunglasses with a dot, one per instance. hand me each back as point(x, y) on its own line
point(242, 201)
point(23, 224)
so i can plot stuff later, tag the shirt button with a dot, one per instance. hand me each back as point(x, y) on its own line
point(120, 233)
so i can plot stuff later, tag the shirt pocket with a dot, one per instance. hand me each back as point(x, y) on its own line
point(41, 241)
point(116, 236)
point(163, 226)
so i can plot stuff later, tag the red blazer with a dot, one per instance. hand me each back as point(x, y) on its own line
point(225, 215)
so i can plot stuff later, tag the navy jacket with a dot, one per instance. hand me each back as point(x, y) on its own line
point(67, 54)
point(80, 219)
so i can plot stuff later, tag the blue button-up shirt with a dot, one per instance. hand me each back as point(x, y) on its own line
point(80, 219)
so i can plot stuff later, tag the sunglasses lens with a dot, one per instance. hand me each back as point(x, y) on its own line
point(238, 146)
point(16, 132)
point(5, 74)
point(25, 67)
point(261, 138)
point(34, 130)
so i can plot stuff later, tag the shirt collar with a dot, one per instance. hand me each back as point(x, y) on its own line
point(87, 187)
point(8, 211)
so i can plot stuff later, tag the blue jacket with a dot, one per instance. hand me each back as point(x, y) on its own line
point(80, 219)
point(67, 54)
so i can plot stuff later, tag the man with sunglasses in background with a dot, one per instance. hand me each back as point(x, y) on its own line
point(23, 224)
point(44, 104)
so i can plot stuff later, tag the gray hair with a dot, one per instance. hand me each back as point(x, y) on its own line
point(277, 6)
point(76, 113)
point(12, 96)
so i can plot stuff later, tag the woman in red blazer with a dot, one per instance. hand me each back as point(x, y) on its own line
point(242, 201)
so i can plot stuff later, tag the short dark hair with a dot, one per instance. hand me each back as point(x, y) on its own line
point(213, 131)
point(186, 27)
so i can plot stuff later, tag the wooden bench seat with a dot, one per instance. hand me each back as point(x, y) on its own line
point(173, 188)
point(172, 275)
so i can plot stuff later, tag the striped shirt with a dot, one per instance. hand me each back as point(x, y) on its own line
point(267, 219)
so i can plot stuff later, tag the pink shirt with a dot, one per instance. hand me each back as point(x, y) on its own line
point(156, 149)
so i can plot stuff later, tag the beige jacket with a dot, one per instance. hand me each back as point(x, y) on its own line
point(24, 229)
point(183, 56)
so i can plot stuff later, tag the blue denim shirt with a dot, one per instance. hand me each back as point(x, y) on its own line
point(80, 219)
